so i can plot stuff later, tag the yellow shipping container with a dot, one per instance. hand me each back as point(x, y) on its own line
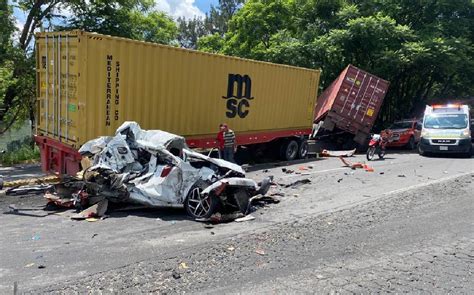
point(89, 84)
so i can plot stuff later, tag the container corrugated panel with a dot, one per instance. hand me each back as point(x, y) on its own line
point(89, 84)
point(353, 101)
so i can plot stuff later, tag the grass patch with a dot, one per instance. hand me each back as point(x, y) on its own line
point(20, 153)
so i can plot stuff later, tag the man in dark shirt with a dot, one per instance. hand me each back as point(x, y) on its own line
point(226, 140)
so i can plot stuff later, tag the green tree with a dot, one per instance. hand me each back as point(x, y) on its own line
point(218, 18)
point(190, 31)
point(133, 19)
point(127, 18)
point(424, 47)
point(211, 43)
point(253, 26)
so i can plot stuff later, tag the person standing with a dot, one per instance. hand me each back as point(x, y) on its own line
point(227, 144)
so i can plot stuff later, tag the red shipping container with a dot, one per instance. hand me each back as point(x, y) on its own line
point(352, 102)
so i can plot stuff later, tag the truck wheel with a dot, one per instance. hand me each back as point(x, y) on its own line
point(303, 149)
point(411, 144)
point(290, 150)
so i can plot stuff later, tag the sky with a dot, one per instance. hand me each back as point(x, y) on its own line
point(186, 8)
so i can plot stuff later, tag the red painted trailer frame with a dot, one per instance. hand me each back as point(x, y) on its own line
point(59, 158)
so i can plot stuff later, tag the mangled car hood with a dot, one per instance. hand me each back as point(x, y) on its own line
point(154, 166)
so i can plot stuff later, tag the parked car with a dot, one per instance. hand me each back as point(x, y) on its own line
point(406, 133)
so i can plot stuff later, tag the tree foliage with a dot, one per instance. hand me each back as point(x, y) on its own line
point(424, 48)
point(134, 19)
point(214, 24)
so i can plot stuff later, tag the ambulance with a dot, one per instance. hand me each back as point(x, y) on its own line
point(446, 129)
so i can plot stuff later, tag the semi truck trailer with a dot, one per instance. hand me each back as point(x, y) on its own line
point(89, 84)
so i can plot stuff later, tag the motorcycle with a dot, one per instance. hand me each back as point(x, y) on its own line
point(378, 144)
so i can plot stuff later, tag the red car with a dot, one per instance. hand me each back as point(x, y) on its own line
point(406, 133)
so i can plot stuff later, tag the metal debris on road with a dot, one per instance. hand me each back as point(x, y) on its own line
point(297, 183)
point(28, 190)
point(354, 166)
point(245, 218)
point(348, 153)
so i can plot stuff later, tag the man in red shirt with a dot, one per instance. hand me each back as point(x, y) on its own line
point(226, 143)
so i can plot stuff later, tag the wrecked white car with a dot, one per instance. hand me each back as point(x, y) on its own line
point(156, 169)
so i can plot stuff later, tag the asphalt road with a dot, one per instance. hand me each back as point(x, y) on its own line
point(407, 226)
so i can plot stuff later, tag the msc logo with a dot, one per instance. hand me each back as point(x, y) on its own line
point(239, 89)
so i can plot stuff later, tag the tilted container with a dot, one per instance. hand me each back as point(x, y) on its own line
point(352, 102)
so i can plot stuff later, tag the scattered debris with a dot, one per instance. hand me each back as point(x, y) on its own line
point(339, 180)
point(94, 211)
point(327, 153)
point(36, 238)
point(296, 195)
point(221, 218)
point(94, 235)
point(27, 190)
point(260, 252)
point(279, 194)
point(401, 175)
point(354, 166)
point(183, 265)
point(176, 275)
point(41, 266)
point(245, 218)
point(381, 173)
point(31, 181)
point(297, 183)
point(287, 171)
point(231, 248)
point(30, 264)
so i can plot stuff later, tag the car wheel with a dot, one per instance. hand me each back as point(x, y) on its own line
point(411, 145)
point(303, 149)
point(290, 150)
point(198, 205)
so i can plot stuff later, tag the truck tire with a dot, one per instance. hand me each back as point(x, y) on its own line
point(289, 150)
point(303, 149)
